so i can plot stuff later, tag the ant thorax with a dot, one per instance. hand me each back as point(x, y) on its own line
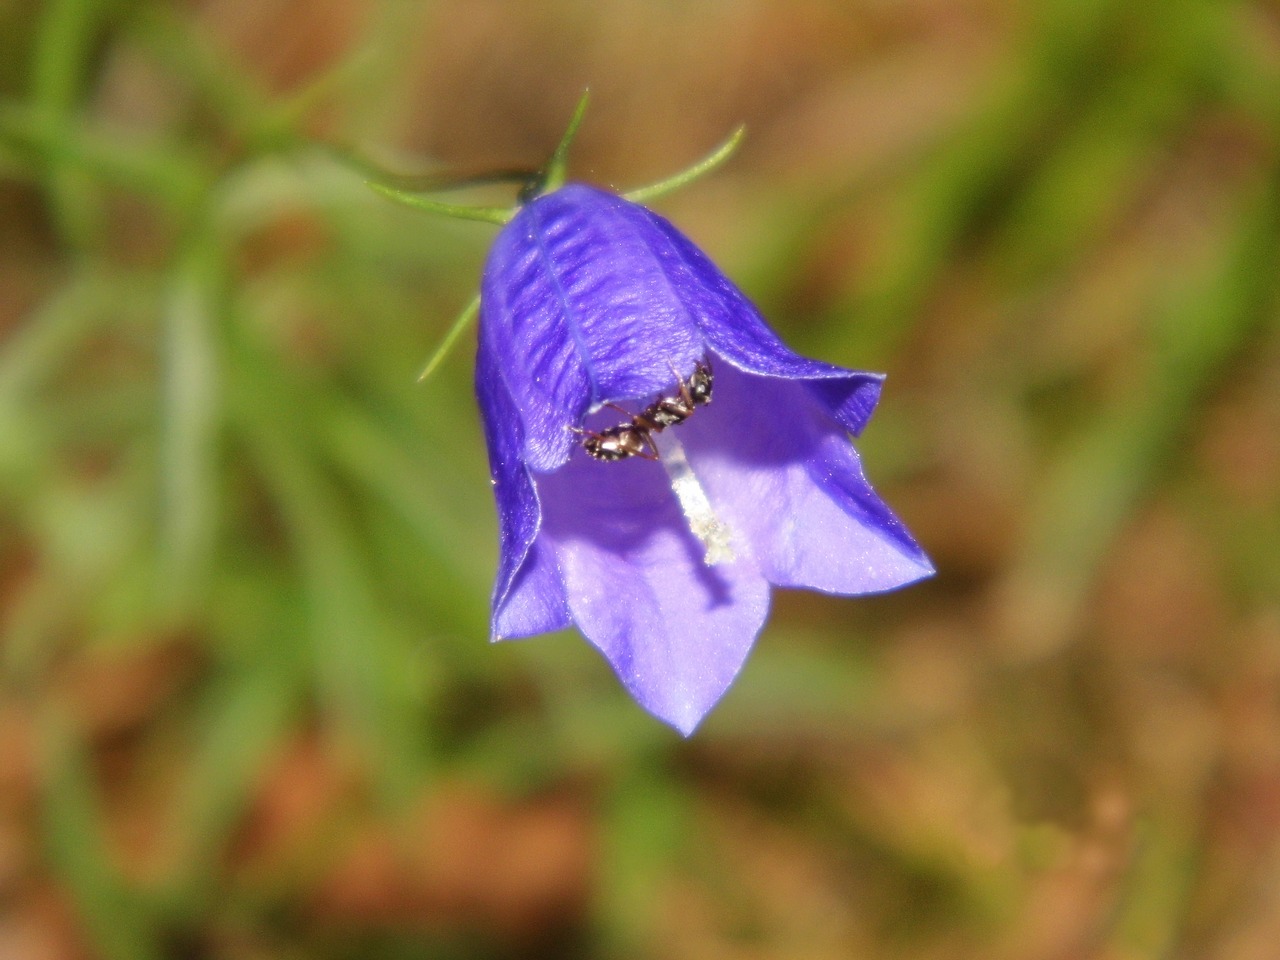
point(634, 437)
point(667, 412)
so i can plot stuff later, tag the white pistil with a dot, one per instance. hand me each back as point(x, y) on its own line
point(703, 522)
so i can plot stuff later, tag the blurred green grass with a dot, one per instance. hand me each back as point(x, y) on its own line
point(247, 708)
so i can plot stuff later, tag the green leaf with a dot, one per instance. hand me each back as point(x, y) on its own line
point(78, 853)
point(190, 423)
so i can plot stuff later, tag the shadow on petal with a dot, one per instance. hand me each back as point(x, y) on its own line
point(674, 630)
point(782, 470)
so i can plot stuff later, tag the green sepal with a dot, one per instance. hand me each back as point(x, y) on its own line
point(455, 331)
point(708, 163)
point(498, 215)
point(553, 175)
point(550, 178)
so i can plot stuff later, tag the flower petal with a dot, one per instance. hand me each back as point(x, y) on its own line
point(781, 470)
point(528, 596)
point(734, 329)
point(576, 301)
point(535, 602)
point(674, 630)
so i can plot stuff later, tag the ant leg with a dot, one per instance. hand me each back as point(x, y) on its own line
point(685, 395)
point(638, 420)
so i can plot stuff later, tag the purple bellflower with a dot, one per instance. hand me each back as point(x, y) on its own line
point(662, 550)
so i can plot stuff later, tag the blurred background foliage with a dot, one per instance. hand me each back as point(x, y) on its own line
point(247, 707)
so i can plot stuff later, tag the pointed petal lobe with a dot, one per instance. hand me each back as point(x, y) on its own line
point(780, 468)
point(674, 630)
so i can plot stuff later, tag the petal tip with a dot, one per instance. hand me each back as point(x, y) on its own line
point(686, 728)
point(682, 709)
point(684, 719)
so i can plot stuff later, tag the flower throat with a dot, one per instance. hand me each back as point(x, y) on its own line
point(637, 437)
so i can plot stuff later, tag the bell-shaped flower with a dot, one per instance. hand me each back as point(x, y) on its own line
point(660, 538)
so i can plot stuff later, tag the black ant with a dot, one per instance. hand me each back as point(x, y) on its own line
point(635, 438)
point(668, 411)
point(620, 442)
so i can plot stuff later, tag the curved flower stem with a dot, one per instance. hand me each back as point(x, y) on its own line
point(369, 171)
point(464, 320)
point(708, 163)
